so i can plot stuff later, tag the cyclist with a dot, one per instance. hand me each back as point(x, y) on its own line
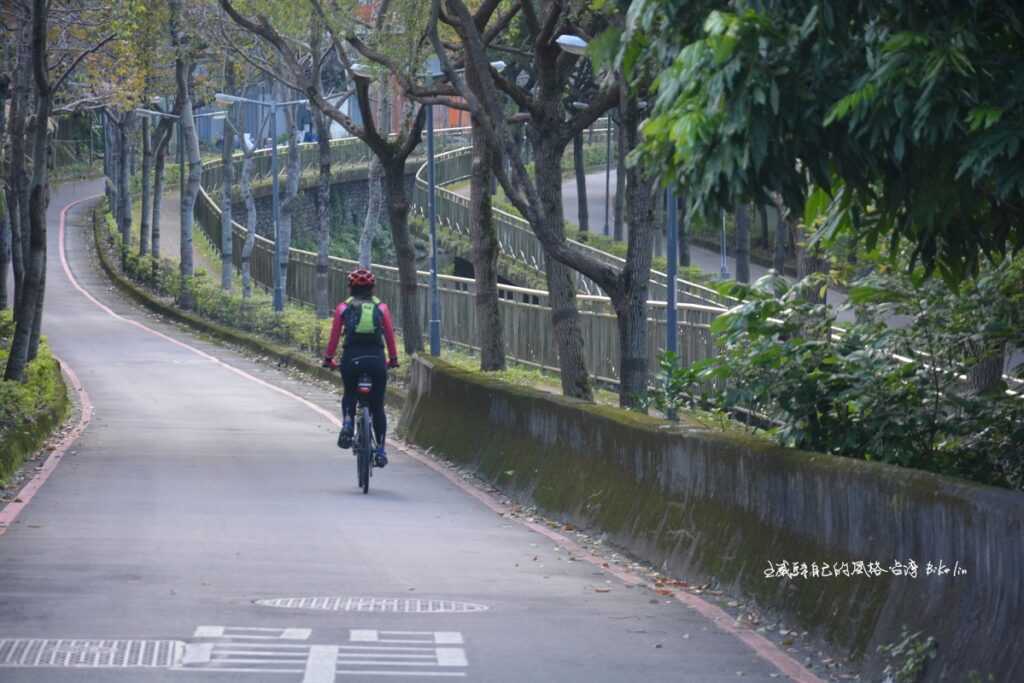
point(366, 324)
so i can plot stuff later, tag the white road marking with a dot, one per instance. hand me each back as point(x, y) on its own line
point(447, 637)
point(296, 634)
point(89, 653)
point(451, 656)
point(417, 674)
point(367, 604)
point(321, 664)
point(209, 632)
point(197, 653)
point(362, 636)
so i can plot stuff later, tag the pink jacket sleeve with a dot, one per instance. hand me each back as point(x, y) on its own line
point(389, 333)
point(336, 329)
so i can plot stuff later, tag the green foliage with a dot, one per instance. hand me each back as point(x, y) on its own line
point(22, 404)
point(296, 326)
point(876, 392)
point(909, 121)
point(909, 657)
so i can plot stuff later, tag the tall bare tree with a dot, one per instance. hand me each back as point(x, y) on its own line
point(538, 196)
point(180, 41)
point(29, 301)
point(323, 204)
point(227, 268)
point(393, 152)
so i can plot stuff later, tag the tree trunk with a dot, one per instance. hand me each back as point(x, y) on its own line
point(622, 150)
point(762, 212)
point(684, 231)
point(291, 192)
point(631, 302)
point(581, 184)
point(743, 244)
point(374, 201)
point(17, 178)
point(485, 256)
point(164, 132)
point(561, 287)
point(5, 239)
point(124, 193)
point(375, 178)
point(398, 217)
point(5, 247)
point(323, 216)
point(145, 226)
point(29, 301)
point(250, 220)
point(781, 235)
point(191, 141)
point(227, 242)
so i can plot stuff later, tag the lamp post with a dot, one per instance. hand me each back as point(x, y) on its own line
point(225, 100)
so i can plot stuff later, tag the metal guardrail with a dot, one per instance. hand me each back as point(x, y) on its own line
point(518, 241)
point(525, 312)
point(526, 317)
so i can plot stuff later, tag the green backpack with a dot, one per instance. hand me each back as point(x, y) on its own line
point(364, 322)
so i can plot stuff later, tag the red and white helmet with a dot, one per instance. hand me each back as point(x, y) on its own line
point(361, 277)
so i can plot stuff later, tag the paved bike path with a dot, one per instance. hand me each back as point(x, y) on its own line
point(197, 491)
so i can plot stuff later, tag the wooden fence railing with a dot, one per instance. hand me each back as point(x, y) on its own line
point(526, 317)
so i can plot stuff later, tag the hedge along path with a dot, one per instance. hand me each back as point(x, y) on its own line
point(760, 645)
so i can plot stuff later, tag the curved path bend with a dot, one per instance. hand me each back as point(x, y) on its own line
point(204, 485)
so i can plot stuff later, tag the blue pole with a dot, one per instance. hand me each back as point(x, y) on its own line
point(435, 301)
point(671, 312)
point(607, 170)
point(673, 260)
point(276, 211)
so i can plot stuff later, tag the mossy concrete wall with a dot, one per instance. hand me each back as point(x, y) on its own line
point(708, 504)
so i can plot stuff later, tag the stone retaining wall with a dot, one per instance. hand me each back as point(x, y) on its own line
point(719, 506)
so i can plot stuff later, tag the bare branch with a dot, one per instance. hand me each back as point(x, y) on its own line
point(78, 60)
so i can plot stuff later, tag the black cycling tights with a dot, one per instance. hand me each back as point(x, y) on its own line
point(356, 362)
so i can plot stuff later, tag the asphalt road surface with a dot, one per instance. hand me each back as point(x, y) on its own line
point(186, 533)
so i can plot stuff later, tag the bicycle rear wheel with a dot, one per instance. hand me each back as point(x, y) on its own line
point(364, 445)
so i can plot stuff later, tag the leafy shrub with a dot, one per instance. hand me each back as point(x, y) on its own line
point(878, 392)
point(296, 326)
point(22, 403)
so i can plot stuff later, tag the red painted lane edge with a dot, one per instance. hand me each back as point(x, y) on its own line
point(11, 511)
point(761, 646)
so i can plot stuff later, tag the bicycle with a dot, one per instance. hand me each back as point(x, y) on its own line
point(365, 442)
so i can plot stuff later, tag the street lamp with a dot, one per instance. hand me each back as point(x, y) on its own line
point(224, 100)
point(572, 44)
